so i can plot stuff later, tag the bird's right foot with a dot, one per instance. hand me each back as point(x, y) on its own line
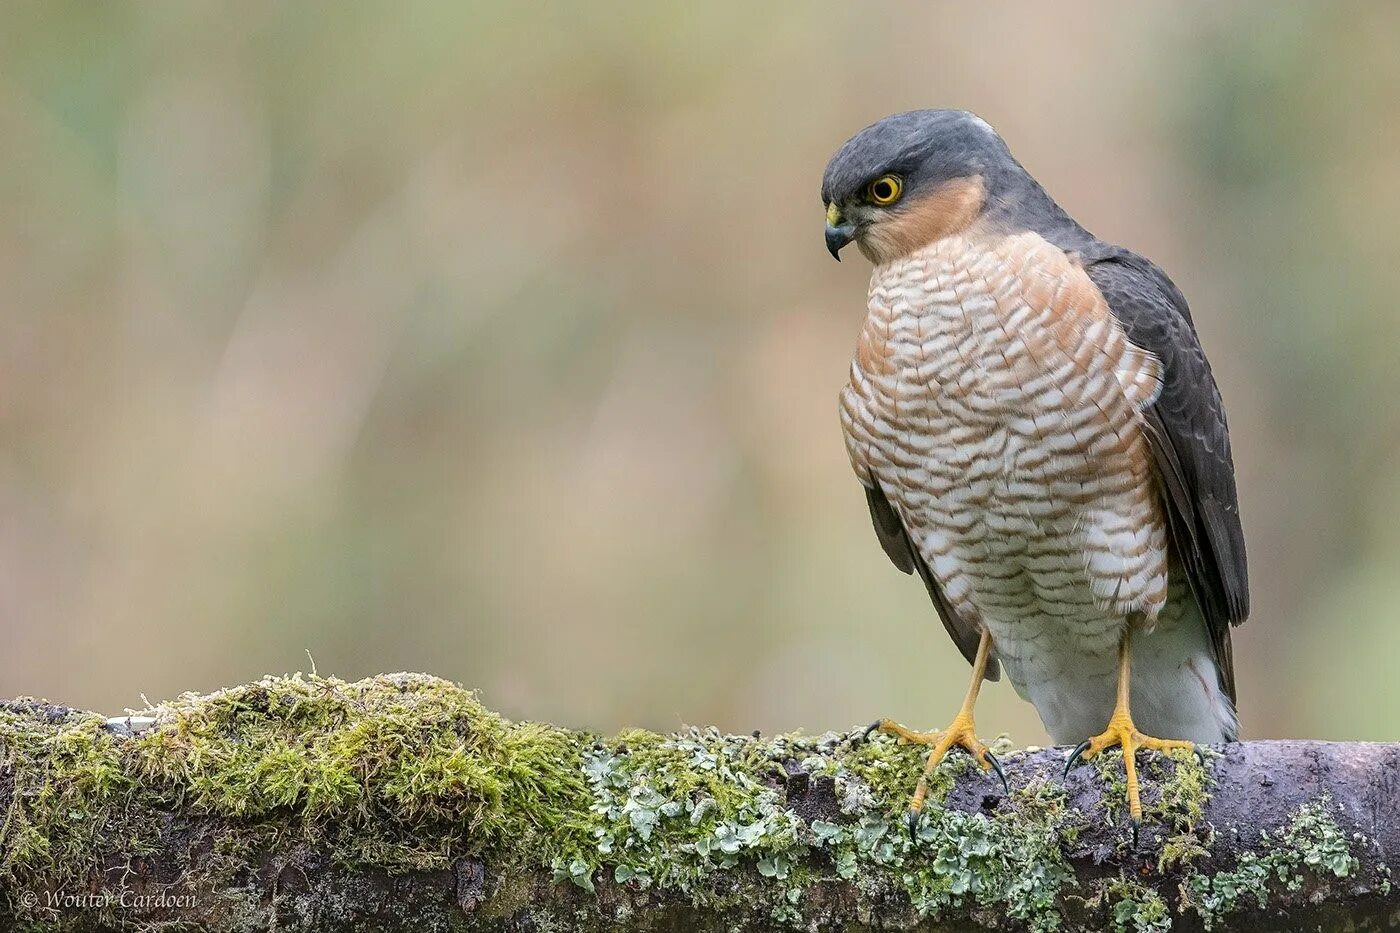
point(960, 733)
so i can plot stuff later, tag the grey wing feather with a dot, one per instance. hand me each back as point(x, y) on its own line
point(1190, 441)
point(893, 538)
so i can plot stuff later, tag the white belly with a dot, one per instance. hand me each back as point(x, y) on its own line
point(996, 401)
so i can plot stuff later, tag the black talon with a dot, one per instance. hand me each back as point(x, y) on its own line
point(1074, 756)
point(911, 819)
point(1137, 825)
point(1200, 755)
point(1001, 772)
point(873, 727)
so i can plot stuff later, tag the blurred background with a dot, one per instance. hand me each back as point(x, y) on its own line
point(499, 340)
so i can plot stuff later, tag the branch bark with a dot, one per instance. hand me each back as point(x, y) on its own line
point(398, 803)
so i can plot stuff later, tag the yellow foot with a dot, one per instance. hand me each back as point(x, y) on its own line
point(959, 733)
point(1122, 732)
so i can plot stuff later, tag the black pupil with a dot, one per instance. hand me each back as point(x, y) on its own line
point(883, 190)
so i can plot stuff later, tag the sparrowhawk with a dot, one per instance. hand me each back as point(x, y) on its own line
point(1041, 440)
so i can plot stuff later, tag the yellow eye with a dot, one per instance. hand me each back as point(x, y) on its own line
point(886, 189)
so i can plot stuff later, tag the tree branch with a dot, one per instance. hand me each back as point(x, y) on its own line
point(400, 803)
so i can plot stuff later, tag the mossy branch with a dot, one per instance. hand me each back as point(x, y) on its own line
point(400, 803)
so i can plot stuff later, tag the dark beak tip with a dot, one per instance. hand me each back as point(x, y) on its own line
point(837, 237)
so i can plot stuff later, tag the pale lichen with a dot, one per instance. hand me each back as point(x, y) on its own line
point(1134, 908)
point(1310, 842)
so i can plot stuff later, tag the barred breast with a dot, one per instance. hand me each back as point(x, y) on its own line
point(997, 402)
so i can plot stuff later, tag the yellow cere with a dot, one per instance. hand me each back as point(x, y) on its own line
point(833, 214)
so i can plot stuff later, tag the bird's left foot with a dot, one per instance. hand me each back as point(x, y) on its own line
point(1123, 733)
point(960, 733)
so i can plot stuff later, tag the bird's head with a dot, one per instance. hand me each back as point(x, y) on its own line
point(910, 179)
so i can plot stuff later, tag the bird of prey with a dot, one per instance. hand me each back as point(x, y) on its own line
point(1040, 438)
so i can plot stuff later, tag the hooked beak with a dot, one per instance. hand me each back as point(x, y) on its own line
point(838, 234)
point(837, 237)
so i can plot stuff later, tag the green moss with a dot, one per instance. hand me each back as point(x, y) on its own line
point(1311, 842)
point(362, 768)
point(1179, 805)
point(1175, 788)
point(54, 826)
point(890, 769)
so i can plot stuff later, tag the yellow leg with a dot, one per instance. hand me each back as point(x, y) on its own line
point(1122, 732)
point(960, 733)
